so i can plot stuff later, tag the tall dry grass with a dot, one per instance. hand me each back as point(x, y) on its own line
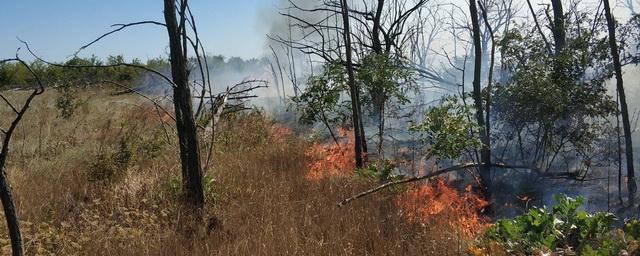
point(105, 183)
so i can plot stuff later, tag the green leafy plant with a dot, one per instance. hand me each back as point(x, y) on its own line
point(380, 170)
point(67, 101)
point(562, 228)
point(211, 189)
point(447, 130)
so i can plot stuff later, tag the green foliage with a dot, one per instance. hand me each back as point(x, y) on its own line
point(66, 102)
point(381, 79)
point(447, 130)
point(321, 99)
point(632, 228)
point(562, 228)
point(111, 163)
point(17, 75)
point(380, 170)
point(112, 166)
point(385, 78)
point(562, 98)
point(212, 190)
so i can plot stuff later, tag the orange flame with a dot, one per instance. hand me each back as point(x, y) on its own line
point(437, 201)
point(279, 132)
point(332, 159)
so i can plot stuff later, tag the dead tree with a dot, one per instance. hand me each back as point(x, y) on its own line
point(5, 189)
point(558, 28)
point(183, 37)
point(185, 121)
point(485, 151)
point(626, 124)
point(383, 28)
point(355, 98)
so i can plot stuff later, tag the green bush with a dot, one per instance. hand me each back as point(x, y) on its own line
point(212, 190)
point(378, 170)
point(447, 130)
point(562, 229)
point(112, 166)
point(66, 103)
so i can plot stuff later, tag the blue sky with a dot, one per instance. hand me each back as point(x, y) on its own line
point(56, 28)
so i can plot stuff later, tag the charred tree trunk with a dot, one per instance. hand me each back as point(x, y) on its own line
point(485, 152)
point(185, 121)
point(378, 93)
point(558, 29)
point(354, 92)
point(626, 124)
point(9, 209)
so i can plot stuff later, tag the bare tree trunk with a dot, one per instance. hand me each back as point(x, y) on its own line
point(485, 152)
point(558, 30)
point(10, 211)
point(5, 190)
point(379, 95)
point(490, 76)
point(619, 151)
point(628, 143)
point(355, 99)
point(185, 121)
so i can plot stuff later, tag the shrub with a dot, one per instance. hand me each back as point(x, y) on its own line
point(111, 166)
point(563, 229)
point(380, 170)
point(212, 190)
point(66, 103)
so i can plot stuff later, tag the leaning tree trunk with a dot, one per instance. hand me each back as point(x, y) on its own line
point(5, 189)
point(628, 143)
point(485, 152)
point(185, 121)
point(10, 210)
point(355, 99)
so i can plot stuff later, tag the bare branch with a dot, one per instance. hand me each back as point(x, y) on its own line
point(8, 103)
point(129, 89)
point(429, 176)
point(407, 180)
point(158, 73)
point(119, 28)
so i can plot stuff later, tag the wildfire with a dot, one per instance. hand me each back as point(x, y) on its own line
point(437, 201)
point(332, 159)
point(279, 132)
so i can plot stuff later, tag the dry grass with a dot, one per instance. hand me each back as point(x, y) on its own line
point(259, 201)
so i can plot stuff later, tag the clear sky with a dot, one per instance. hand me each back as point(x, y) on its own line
point(56, 28)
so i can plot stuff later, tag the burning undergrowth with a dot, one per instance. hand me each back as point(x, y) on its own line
point(435, 202)
point(439, 202)
point(333, 159)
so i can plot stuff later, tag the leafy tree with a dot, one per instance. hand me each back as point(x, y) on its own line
point(556, 101)
point(380, 78)
point(447, 130)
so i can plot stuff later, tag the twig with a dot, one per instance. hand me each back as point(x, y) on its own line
point(9, 103)
point(407, 180)
point(140, 94)
point(120, 27)
point(428, 176)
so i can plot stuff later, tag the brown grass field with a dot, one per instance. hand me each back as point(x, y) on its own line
point(106, 182)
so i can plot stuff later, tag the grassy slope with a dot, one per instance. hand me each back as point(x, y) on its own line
point(76, 195)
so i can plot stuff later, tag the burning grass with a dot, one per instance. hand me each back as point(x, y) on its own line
point(332, 159)
point(434, 202)
point(441, 203)
point(261, 200)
